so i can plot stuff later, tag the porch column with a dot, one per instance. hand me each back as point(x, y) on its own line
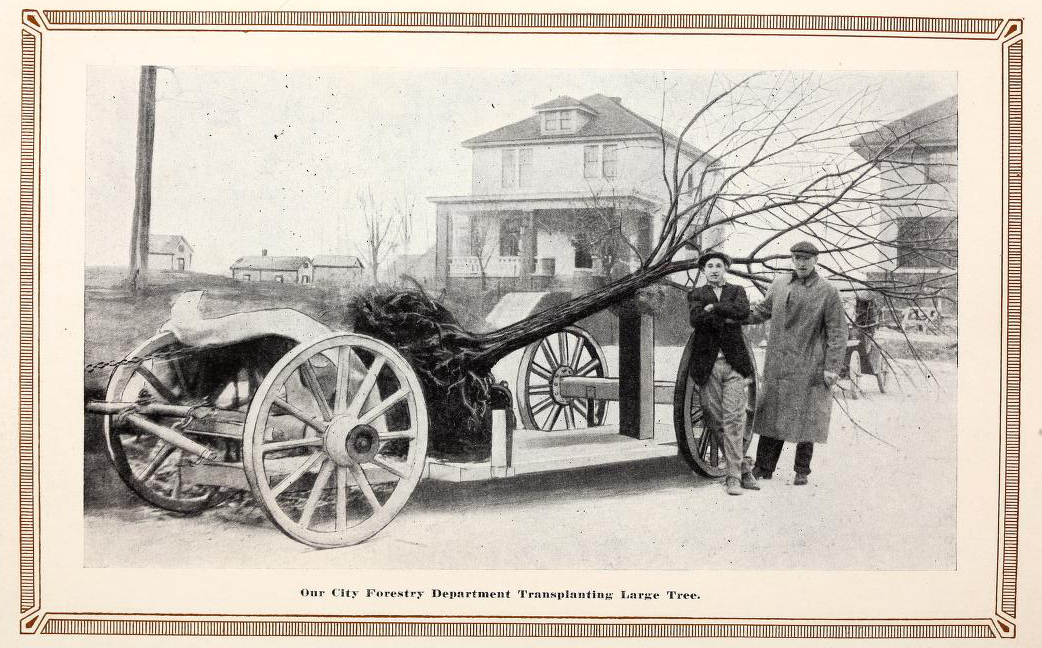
point(528, 247)
point(442, 248)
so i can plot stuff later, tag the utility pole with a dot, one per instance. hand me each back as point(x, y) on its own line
point(146, 134)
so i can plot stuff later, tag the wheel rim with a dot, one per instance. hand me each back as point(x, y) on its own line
point(336, 439)
point(696, 443)
point(151, 467)
point(570, 352)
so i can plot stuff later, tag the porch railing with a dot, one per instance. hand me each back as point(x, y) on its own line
point(498, 266)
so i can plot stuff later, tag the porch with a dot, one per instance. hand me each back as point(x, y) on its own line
point(535, 243)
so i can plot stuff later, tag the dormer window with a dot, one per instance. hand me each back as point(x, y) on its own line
point(558, 121)
point(563, 115)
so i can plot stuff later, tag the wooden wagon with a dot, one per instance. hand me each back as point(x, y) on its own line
point(328, 429)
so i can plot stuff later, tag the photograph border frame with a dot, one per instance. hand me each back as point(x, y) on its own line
point(1007, 33)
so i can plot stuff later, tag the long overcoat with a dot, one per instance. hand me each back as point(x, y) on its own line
point(808, 335)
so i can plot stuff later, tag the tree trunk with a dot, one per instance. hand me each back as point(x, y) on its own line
point(496, 345)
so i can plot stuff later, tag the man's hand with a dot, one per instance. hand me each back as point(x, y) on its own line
point(831, 378)
point(709, 308)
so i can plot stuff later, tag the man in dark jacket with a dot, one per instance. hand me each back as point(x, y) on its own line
point(721, 365)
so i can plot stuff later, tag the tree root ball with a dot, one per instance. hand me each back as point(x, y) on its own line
point(442, 353)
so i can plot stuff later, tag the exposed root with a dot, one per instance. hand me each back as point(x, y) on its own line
point(444, 356)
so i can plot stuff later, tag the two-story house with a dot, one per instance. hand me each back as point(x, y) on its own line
point(920, 152)
point(545, 190)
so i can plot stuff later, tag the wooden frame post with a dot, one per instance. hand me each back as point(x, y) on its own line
point(636, 372)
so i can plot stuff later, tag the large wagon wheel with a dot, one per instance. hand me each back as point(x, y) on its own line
point(335, 440)
point(150, 466)
point(702, 450)
point(571, 352)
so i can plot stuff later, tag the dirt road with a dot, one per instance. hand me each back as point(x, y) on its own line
point(868, 506)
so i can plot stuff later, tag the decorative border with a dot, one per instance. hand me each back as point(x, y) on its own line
point(34, 620)
point(988, 27)
point(28, 300)
point(1013, 141)
point(515, 629)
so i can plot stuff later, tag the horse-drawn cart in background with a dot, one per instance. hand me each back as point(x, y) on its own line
point(329, 429)
point(864, 356)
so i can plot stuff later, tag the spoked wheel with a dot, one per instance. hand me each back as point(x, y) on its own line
point(571, 352)
point(336, 439)
point(151, 467)
point(701, 449)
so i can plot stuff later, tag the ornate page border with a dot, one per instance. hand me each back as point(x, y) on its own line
point(35, 620)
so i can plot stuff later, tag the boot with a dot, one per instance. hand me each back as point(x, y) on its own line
point(749, 481)
point(732, 486)
point(799, 480)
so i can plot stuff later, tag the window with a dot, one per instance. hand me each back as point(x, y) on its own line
point(517, 168)
point(942, 166)
point(510, 238)
point(551, 121)
point(591, 161)
point(246, 277)
point(566, 121)
point(181, 264)
point(687, 183)
point(600, 161)
point(927, 242)
point(609, 156)
point(461, 234)
point(509, 168)
point(524, 167)
point(583, 258)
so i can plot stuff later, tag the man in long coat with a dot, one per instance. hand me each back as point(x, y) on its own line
point(805, 353)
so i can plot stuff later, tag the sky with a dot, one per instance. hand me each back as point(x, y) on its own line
point(260, 158)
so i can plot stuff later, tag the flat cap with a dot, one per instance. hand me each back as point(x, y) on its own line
point(705, 258)
point(804, 247)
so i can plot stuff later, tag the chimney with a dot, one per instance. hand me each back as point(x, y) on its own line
point(617, 100)
point(264, 252)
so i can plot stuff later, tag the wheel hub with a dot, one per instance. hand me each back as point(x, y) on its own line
point(348, 443)
point(555, 383)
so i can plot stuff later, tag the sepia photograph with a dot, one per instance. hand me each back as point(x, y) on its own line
point(520, 319)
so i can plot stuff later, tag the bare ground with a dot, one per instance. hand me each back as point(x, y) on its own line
point(869, 506)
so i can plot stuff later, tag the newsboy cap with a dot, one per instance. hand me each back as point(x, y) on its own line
point(708, 256)
point(804, 247)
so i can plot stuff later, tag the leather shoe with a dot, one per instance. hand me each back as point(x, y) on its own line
point(749, 482)
point(760, 473)
point(799, 480)
point(732, 486)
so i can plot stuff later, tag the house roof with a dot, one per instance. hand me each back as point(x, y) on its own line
point(166, 243)
point(610, 119)
point(563, 102)
point(284, 263)
point(934, 126)
point(337, 261)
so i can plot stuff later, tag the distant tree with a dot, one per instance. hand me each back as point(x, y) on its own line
point(379, 228)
